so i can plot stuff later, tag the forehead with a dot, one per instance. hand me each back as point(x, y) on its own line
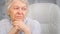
point(18, 3)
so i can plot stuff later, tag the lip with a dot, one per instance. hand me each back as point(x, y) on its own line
point(19, 16)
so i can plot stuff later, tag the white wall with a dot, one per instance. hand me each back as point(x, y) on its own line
point(58, 2)
point(42, 1)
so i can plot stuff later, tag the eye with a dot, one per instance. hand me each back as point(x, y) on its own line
point(24, 8)
point(16, 8)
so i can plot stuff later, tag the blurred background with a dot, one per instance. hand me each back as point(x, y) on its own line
point(47, 12)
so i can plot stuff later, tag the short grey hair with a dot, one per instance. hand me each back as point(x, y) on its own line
point(8, 3)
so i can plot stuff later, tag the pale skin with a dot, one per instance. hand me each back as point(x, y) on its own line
point(17, 13)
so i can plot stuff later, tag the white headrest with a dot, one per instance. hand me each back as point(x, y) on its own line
point(43, 12)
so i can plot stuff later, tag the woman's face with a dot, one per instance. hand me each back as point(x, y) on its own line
point(18, 10)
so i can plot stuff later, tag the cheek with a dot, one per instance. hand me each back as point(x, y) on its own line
point(24, 13)
point(12, 13)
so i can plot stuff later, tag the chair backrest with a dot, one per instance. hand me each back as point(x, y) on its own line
point(48, 15)
point(43, 12)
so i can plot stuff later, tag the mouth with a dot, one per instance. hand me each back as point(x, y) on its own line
point(19, 17)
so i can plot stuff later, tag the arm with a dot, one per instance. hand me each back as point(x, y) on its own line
point(36, 28)
point(27, 30)
point(14, 30)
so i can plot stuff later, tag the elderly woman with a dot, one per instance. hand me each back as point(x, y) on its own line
point(18, 22)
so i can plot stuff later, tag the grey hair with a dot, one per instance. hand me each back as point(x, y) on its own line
point(8, 3)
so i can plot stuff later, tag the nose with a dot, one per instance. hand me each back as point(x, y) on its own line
point(19, 12)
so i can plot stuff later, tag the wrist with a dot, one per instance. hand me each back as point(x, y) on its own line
point(16, 27)
point(27, 32)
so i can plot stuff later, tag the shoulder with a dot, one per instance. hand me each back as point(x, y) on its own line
point(33, 21)
point(34, 26)
point(4, 20)
point(5, 25)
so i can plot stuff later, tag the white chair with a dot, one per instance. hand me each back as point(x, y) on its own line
point(47, 14)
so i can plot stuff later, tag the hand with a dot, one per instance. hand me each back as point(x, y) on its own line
point(21, 25)
point(13, 30)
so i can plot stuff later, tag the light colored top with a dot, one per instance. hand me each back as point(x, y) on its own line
point(5, 26)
